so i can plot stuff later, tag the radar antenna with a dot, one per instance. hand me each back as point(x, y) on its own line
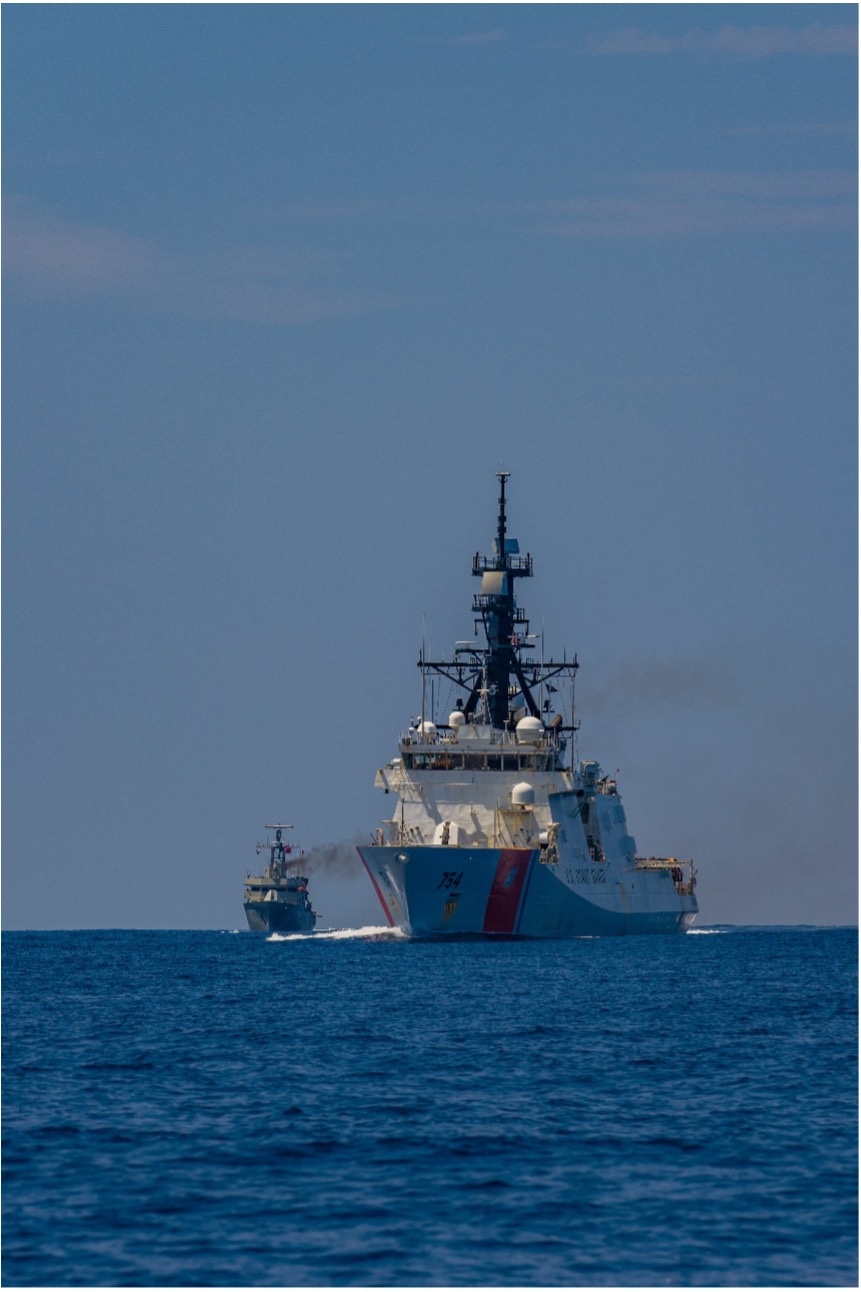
point(502, 674)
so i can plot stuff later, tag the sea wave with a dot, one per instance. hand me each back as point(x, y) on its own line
point(366, 931)
point(426, 1113)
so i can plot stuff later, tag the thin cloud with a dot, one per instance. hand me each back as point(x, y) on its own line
point(59, 257)
point(48, 258)
point(740, 42)
point(671, 203)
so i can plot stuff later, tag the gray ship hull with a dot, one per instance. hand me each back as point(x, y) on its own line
point(279, 917)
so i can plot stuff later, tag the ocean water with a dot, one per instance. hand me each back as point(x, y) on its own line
point(187, 1109)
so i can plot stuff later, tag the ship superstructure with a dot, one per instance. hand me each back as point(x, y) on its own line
point(497, 827)
point(277, 901)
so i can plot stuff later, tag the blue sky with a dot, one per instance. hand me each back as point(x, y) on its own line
point(285, 285)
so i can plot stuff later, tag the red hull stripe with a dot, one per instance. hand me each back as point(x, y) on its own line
point(504, 898)
point(377, 890)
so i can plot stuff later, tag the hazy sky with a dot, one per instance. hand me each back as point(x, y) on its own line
point(285, 285)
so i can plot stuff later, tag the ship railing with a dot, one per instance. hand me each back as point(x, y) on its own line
point(681, 871)
point(445, 735)
point(486, 601)
point(397, 834)
point(512, 564)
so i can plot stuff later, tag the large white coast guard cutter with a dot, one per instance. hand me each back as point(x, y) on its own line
point(497, 828)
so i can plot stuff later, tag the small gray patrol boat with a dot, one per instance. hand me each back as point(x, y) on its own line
point(277, 901)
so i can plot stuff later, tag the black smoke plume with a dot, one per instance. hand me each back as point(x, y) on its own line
point(332, 858)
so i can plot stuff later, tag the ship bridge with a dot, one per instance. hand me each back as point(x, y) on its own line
point(480, 747)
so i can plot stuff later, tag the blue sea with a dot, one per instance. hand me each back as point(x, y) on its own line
point(222, 1109)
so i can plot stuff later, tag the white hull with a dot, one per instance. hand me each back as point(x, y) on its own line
point(442, 892)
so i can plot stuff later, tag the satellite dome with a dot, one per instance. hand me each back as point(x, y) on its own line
point(456, 718)
point(523, 795)
point(529, 730)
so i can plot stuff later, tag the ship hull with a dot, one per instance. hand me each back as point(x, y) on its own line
point(437, 891)
point(278, 917)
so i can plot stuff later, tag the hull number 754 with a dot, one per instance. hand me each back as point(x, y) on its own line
point(450, 879)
